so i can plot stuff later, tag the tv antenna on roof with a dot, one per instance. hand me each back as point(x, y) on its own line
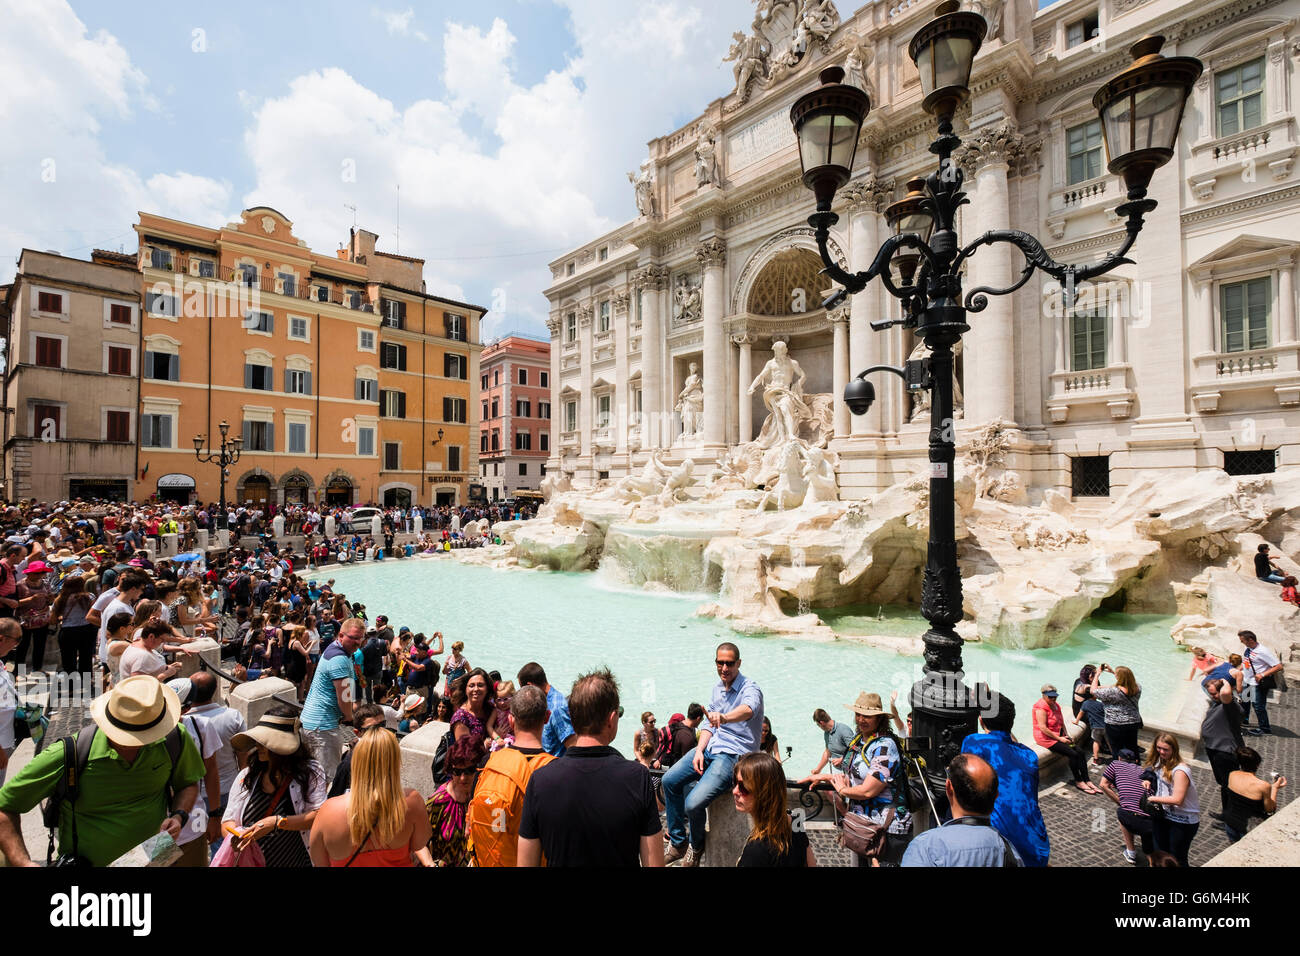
point(354, 213)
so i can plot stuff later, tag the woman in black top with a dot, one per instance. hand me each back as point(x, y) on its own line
point(1247, 795)
point(759, 790)
point(1082, 688)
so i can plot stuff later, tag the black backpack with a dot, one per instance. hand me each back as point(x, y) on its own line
point(439, 768)
point(76, 754)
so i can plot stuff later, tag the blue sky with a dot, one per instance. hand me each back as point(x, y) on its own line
point(509, 126)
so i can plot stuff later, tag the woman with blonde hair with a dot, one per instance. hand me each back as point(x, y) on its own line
point(1176, 793)
point(378, 822)
point(1123, 720)
point(760, 790)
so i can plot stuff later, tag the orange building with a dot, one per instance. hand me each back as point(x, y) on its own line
point(346, 381)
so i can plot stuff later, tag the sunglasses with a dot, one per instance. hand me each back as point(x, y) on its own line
point(726, 663)
point(744, 791)
point(463, 771)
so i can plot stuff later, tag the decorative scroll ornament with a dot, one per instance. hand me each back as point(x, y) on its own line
point(998, 143)
point(711, 252)
point(867, 194)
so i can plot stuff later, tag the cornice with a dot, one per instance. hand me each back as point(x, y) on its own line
point(1222, 210)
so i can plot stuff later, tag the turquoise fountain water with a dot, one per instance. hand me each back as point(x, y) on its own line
point(662, 654)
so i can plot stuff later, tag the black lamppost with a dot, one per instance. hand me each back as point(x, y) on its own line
point(225, 457)
point(1140, 110)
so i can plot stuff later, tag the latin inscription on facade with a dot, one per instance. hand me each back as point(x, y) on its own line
point(760, 140)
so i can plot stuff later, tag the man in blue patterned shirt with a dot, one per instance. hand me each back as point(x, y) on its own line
point(1016, 815)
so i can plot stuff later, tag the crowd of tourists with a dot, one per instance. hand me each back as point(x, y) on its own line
point(525, 774)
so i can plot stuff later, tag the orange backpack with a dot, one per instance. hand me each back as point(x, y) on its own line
point(497, 804)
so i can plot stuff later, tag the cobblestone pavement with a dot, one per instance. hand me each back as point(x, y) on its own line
point(1084, 831)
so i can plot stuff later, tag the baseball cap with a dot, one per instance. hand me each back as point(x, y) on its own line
point(1048, 689)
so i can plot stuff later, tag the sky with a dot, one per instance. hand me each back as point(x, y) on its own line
point(506, 128)
point(498, 135)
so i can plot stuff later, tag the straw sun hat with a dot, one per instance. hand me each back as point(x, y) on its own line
point(139, 711)
point(277, 734)
point(868, 705)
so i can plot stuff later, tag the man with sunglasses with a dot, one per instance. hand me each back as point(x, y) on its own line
point(732, 728)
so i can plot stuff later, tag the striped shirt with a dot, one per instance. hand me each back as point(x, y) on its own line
point(1127, 779)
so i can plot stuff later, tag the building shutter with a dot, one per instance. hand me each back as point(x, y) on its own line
point(164, 431)
point(248, 376)
point(306, 377)
point(248, 436)
point(270, 436)
point(401, 404)
point(401, 357)
point(173, 368)
point(287, 382)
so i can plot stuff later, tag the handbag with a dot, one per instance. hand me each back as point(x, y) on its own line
point(251, 855)
point(863, 837)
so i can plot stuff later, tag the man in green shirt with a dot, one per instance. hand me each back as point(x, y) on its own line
point(123, 790)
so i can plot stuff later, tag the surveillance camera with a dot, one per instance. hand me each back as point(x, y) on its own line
point(859, 395)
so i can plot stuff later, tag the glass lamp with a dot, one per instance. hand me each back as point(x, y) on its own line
point(827, 123)
point(944, 52)
point(1141, 110)
point(910, 215)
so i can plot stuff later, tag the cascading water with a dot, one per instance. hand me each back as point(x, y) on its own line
point(799, 561)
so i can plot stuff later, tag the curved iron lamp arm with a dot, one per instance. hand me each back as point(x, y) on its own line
point(856, 282)
point(1036, 257)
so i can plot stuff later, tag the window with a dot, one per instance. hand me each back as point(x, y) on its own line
point(260, 322)
point(49, 352)
point(297, 438)
point(159, 303)
point(496, 406)
point(322, 293)
point(392, 403)
point(119, 360)
point(1239, 97)
point(1260, 462)
point(496, 377)
point(365, 442)
point(546, 380)
point(453, 458)
point(367, 390)
point(484, 385)
point(542, 469)
point(454, 410)
point(365, 340)
point(544, 410)
point(496, 473)
point(297, 382)
point(455, 326)
point(1081, 31)
point(352, 297)
point(156, 431)
point(117, 426)
point(392, 356)
point(1245, 314)
point(47, 421)
point(160, 259)
point(602, 475)
point(246, 275)
point(523, 469)
point(570, 416)
point(482, 447)
point(485, 412)
point(524, 408)
point(523, 441)
point(259, 436)
point(49, 302)
point(394, 314)
point(1083, 144)
point(162, 367)
point(119, 314)
point(496, 440)
point(298, 329)
point(1090, 476)
point(604, 316)
point(1088, 336)
point(454, 366)
point(572, 268)
point(603, 404)
point(288, 283)
point(636, 403)
point(523, 376)
point(603, 255)
point(545, 442)
point(392, 456)
point(571, 327)
point(207, 269)
point(258, 377)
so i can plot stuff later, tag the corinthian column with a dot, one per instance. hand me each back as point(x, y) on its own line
point(622, 399)
point(840, 373)
point(865, 198)
point(744, 401)
point(552, 326)
point(586, 413)
point(990, 345)
point(651, 280)
point(712, 254)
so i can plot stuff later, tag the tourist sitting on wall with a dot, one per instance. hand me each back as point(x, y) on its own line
point(1202, 662)
point(1266, 568)
point(1248, 795)
point(1289, 590)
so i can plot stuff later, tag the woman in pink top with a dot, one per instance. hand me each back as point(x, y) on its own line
point(1202, 662)
point(1049, 732)
point(377, 822)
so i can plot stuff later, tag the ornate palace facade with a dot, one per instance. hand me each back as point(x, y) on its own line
point(1187, 359)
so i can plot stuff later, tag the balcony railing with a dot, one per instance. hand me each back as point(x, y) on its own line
point(1246, 364)
point(1087, 382)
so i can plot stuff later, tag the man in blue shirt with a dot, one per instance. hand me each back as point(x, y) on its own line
point(967, 839)
point(733, 727)
point(1016, 815)
point(558, 733)
point(331, 696)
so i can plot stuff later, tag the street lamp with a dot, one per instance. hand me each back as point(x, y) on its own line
point(225, 457)
point(920, 264)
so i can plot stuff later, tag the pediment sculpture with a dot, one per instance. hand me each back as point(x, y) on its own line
point(782, 34)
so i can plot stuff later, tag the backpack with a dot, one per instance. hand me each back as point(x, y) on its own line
point(439, 768)
point(76, 754)
point(498, 802)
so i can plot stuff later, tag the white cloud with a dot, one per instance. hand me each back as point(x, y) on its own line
point(58, 85)
point(399, 24)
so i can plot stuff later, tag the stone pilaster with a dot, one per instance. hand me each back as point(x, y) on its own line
point(712, 255)
point(586, 403)
point(839, 320)
point(745, 401)
point(652, 280)
point(865, 199)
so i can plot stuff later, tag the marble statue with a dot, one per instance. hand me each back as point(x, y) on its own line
point(782, 380)
point(648, 483)
point(819, 474)
point(689, 299)
point(679, 479)
point(707, 172)
point(750, 54)
point(644, 183)
point(816, 22)
point(554, 484)
point(856, 65)
point(691, 404)
point(791, 487)
point(921, 399)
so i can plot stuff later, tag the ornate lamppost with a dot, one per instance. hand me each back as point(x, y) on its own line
point(1141, 109)
point(226, 456)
